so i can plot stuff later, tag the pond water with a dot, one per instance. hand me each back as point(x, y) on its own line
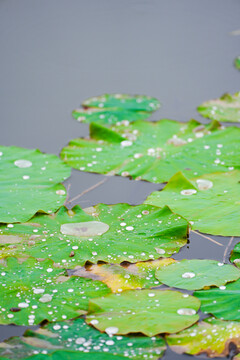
point(55, 54)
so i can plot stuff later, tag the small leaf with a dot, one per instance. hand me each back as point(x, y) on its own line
point(155, 151)
point(123, 101)
point(114, 233)
point(150, 312)
point(210, 336)
point(112, 109)
point(237, 62)
point(210, 203)
point(227, 108)
point(56, 336)
point(29, 183)
point(38, 292)
point(196, 274)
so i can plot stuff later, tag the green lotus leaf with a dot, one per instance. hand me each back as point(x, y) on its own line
point(123, 101)
point(210, 336)
point(196, 274)
point(74, 355)
point(222, 302)
point(109, 116)
point(150, 312)
point(210, 203)
point(237, 62)
point(29, 182)
point(155, 151)
point(130, 276)
point(111, 233)
point(34, 291)
point(56, 336)
point(226, 108)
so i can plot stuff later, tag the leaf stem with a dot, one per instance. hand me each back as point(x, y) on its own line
point(227, 249)
point(88, 190)
point(207, 237)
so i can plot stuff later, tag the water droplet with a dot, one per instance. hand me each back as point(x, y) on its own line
point(46, 298)
point(38, 291)
point(126, 143)
point(160, 251)
point(56, 327)
point(23, 163)
point(85, 229)
point(26, 177)
point(80, 340)
point(204, 184)
point(151, 294)
point(188, 275)
point(129, 228)
point(186, 312)
point(222, 287)
point(94, 322)
point(60, 192)
point(23, 305)
point(188, 192)
point(111, 330)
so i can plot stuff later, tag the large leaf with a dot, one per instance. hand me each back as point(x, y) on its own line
point(210, 336)
point(196, 274)
point(29, 182)
point(222, 302)
point(210, 202)
point(34, 291)
point(150, 312)
point(155, 151)
point(114, 108)
point(57, 335)
point(226, 108)
point(113, 233)
point(130, 276)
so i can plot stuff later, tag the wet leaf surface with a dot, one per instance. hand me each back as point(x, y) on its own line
point(150, 312)
point(226, 108)
point(132, 276)
point(196, 274)
point(114, 108)
point(155, 151)
point(33, 291)
point(210, 336)
point(29, 182)
point(222, 302)
point(210, 202)
point(134, 233)
point(78, 336)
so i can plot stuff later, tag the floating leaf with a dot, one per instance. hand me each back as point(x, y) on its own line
point(131, 276)
point(57, 335)
point(227, 108)
point(29, 183)
point(73, 355)
point(222, 302)
point(109, 116)
point(196, 274)
point(210, 202)
point(210, 336)
point(150, 312)
point(69, 237)
point(155, 151)
point(123, 101)
point(237, 62)
point(115, 108)
point(34, 291)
